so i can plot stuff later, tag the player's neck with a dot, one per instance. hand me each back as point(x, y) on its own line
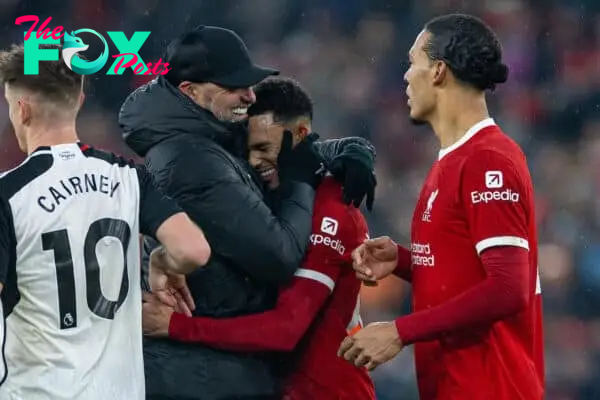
point(456, 116)
point(51, 136)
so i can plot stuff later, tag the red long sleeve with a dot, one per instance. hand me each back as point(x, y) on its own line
point(279, 329)
point(503, 293)
point(404, 267)
point(337, 229)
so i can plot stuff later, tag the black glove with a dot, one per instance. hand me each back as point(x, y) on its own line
point(302, 163)
point(354, 169)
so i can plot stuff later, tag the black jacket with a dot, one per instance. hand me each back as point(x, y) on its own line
point(198, 160)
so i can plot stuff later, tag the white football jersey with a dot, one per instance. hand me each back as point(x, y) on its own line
point(70, 217)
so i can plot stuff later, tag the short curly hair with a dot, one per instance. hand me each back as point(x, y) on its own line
point(284, 97)
point(55, 81)
point(469, 47)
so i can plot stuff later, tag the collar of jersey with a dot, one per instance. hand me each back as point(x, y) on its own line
point(47, 148)
point(472, 131)
point(39, 149)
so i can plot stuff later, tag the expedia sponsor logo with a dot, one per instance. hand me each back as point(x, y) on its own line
point(329, 226)
point(336, 244)
point(494, 179)
point(422, 255)
point(486, 197)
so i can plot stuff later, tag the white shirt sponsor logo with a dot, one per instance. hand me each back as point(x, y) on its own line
point(493, 179)
point(329, 226)
point(427, 214)
point(336, 244)
point(422, 255)
point(486, 197)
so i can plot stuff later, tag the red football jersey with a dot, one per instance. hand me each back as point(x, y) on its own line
point(320, 374)
point(478, 195)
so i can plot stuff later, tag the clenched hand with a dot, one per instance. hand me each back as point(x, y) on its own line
point(375, 344)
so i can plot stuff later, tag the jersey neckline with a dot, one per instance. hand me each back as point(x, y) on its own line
point(81, 146)
point(472, 131)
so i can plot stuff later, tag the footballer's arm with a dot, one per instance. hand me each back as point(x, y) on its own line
point(404, 266)
point(279, 329)
point(506, 289)
point(241, 227)
point(185, 246)
point(502, 294)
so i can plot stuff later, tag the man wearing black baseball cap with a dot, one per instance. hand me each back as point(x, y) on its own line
point(189, 125)
point(212, 66)
point(227, 63)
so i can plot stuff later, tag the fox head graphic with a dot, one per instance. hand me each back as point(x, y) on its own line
point(71, 46)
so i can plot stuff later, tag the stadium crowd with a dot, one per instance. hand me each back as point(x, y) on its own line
point(351, 55)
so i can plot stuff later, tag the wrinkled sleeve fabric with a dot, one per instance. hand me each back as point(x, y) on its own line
point(155, 207)
point(236, 221)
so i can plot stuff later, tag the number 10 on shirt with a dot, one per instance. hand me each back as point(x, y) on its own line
point(59, 242)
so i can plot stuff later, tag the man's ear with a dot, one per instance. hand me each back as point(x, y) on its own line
point(439, 71)
point(81, 99)
point(25, 112)
point(302, 130)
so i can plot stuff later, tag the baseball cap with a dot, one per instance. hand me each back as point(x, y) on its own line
point(213, 54)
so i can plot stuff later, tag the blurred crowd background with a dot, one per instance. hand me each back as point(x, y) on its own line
point(351, 56)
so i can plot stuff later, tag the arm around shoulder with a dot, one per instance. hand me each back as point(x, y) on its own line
point(240, 227)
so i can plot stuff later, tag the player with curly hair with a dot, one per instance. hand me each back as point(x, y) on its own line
point(476, 324)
